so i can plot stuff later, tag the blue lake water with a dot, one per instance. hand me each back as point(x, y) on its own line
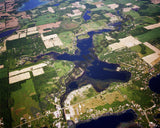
point(31, 4)
point(86, 16)
point(154, 84)
point(56, 4)
point(94, 69)
point(96, 72)
point(111, 121)
point(7, 33)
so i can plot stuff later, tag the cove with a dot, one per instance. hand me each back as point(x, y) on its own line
point(31, 4)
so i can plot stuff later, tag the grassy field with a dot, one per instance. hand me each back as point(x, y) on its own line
point(86, 94)
point(134, 14)
point(145, 20)
point(45, 19)
point(133, 93)
point(68, 25)
point(62, 67)
point(103, 8)
point(93, 25)
point(138, 50)
point(83, 36)
point(24, 105)
point(152, 34)
point(44, 84)
point(67, 38)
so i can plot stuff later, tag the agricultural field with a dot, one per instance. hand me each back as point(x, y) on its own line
point(150, 35)
point(24, 104)
point(44, 85)
point(142, 50)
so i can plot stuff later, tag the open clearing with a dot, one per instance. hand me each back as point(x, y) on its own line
point(38, 72)
point(51, 40)
point(94, 102)
point(19, 77)
point(153, 26)
point(125, 42)
point(23, 102)
point(27, 69)
point(154, 58)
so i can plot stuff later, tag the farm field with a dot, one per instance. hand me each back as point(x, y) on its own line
point(24, 105)
point(138, 49)
point(150, 35)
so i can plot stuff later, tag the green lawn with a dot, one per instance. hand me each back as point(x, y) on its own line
point(152, 34)
point(23, 102)
point(138, 50)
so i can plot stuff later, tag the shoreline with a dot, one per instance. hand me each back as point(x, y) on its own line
point(108, 115)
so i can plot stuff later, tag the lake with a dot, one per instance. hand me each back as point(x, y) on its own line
point(86, 16)
point(111, 121)
point(31, 4)
point(154, 84)
point(7, 33)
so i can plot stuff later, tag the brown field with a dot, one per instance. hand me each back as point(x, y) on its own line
point(70, 25)
point(45, 26)
point(102, 99)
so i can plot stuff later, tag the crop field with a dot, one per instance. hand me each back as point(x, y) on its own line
point(23, 102)
point(150, 35)
point(138, 49)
